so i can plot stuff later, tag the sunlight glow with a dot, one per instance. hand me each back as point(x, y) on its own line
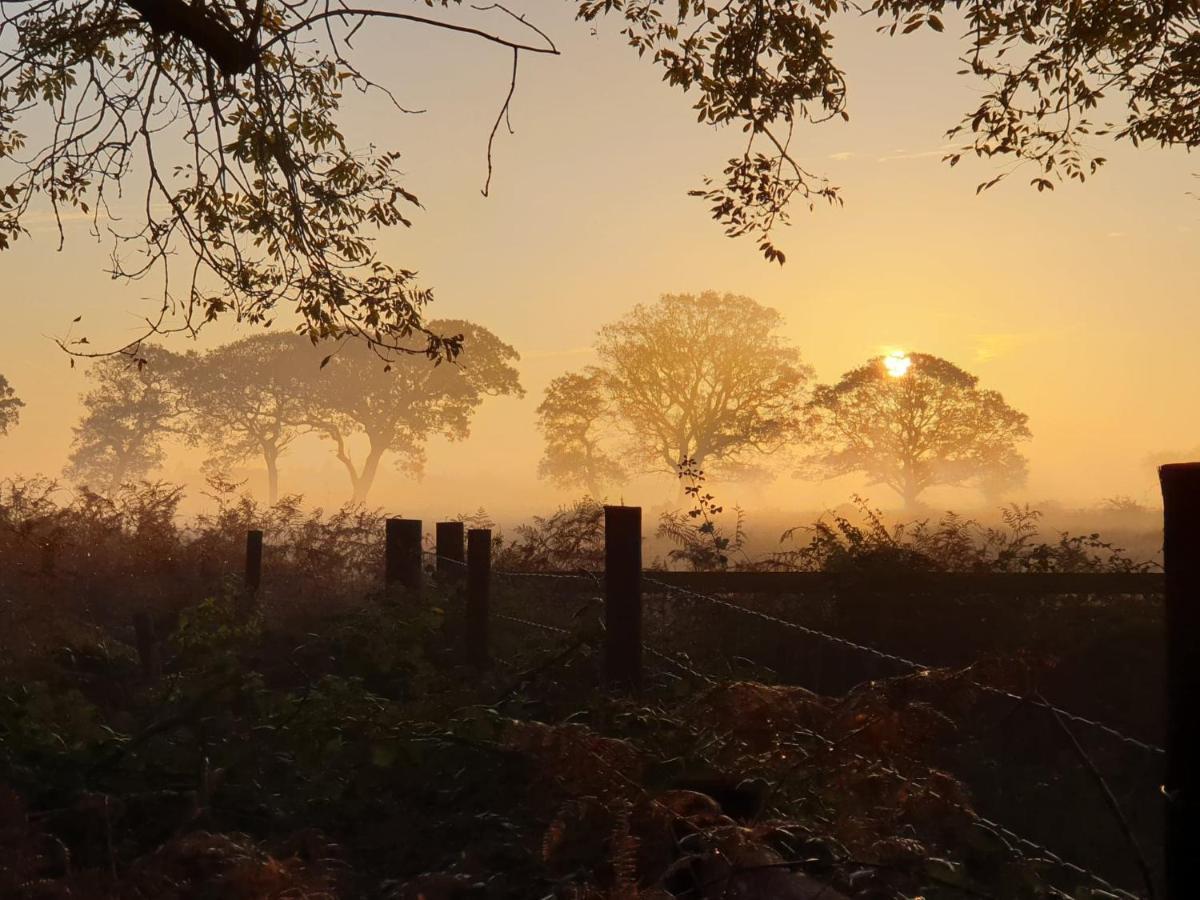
point(897, 363)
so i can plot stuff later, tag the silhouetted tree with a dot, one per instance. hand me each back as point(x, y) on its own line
point(573, 418)
point(10, 406)
point(248, 399)
point(701, 378)
point(275, 205)
point(930, 425)
point(399, 406)
point(131, 410)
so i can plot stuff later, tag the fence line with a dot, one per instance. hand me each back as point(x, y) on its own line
point(622, 585)
point(991, 824)
point(919, 667)
point(881, 765)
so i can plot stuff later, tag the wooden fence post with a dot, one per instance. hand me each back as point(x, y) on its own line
point(402, 554)
point(254, 553)
point(1181, 784)
point(479, 576)
point(449, 544)
point(623, 595)
point(147, 646)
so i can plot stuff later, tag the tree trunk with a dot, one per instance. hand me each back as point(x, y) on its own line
point(367, 476)
point(911, 494)
point(271, 458)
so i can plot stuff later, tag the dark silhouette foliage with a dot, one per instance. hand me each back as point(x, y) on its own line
point(276, 207)
point(10, 406)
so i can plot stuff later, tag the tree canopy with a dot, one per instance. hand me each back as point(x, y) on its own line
point(248, 399)
point(272, 210)
point(702, 377)
point(573, 418)
point(255, 396)
point(398, 407)
point(10, 406)
point(919, 425)
point(129, 413)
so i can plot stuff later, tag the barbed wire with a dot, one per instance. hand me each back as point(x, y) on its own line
point(582, 575)
point(849, 644)
point(914, 665)
point(553, 629)
point(992, 825)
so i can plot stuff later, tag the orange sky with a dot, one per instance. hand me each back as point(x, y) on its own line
point(1079, 305)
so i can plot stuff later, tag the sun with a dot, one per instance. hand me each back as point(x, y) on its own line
point(897, 363)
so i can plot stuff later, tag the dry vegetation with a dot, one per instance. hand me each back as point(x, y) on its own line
point(326, 741)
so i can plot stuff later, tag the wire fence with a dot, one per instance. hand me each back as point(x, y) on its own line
point(911, 664)
point(880, 765)
point(681, 663)
point(596, 579)
point(685, 666)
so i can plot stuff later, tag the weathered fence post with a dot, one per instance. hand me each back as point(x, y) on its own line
point(254, 552)
point(1181, 785)
point(147, 646)
point(449, 544)
point(402, 554)
point(479, 576)
point(623, 595)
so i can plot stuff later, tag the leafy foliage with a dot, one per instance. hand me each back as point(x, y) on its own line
point(269, 203)
point(950, 544)
point(245, 400)
point(573, 418)
point(570, 539)
point(1046, 69)
point(270, 207)
point(703, 377)
point(930, 425)
point(399, 406)
point(345, 752)
point(131, 410)
point(10, 406)
point(257, 395)
point(700, 541)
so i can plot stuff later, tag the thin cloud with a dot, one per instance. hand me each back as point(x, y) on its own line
point(993, 346)
point(917, 154)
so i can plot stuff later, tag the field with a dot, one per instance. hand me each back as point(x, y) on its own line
point(324, 737)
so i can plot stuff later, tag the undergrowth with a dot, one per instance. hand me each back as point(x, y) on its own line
point(324, 739)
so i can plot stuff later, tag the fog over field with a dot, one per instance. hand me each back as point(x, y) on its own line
point(1077, 304)
point(599, 450)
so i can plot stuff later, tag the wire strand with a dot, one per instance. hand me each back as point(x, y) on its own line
point(912, 664)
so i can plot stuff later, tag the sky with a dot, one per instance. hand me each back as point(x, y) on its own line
point(1079, 305)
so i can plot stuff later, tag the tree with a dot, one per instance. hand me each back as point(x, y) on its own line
point(131, 410)
point(917, 425)
point(572, 418)
point(249, 399)
point(701, 378)
point(399, 406)
point(225, 115)
point(10, 406)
